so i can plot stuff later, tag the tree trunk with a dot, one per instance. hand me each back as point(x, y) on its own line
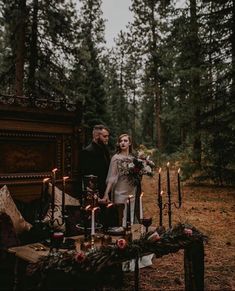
point(33, 49)
point(156, 92)
point(195, 83)
point(233, 52)
point(20, 48)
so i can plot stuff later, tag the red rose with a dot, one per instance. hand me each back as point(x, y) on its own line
point(121, 243)
point(188, 231)
point(80, 257)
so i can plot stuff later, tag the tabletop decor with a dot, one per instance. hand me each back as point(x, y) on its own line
point(92, 263)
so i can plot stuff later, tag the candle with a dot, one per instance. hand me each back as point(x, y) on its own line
point(169, 194)
point(141, 206)
point(43, 196)
point(179, 189)
point(129, 211)
point(168, 179)
point(53, 193)
point(159, 181)
point(63, 196)
point(93, 220)
point(160, 207)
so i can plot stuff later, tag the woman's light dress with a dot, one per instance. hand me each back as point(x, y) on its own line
point(122, 187)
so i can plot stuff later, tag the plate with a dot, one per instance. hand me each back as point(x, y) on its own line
point(119, 230)
point(98, 226)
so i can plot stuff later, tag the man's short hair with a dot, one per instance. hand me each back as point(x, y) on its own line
point(99, 127)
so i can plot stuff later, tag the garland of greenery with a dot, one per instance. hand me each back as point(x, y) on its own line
point(96, 261)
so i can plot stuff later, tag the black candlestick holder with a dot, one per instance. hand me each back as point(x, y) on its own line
point(169, 204)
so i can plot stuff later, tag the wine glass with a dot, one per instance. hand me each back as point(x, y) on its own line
point(146, 221)
point(57, 239)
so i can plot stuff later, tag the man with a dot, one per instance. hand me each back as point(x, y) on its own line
point(95, 158)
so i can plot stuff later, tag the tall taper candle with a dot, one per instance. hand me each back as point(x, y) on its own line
point(63, 196)
point(129, 211)
point(141, 206)
point(53, 193)
point(168, 179)
point(93, 220)
point(169, 194)
point(179, 188)
point(159, 181)
point(44, 181)
point(160, 208)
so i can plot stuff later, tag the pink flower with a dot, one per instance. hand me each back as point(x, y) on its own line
point(188, 231)
point(121, 243)
point(154, 237)
point(80, 257)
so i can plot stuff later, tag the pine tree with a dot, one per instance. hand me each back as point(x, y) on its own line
point(87, 75)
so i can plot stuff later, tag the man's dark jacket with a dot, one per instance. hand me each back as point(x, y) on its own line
point(95, 160)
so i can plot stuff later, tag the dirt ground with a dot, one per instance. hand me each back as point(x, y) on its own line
point(212, 211)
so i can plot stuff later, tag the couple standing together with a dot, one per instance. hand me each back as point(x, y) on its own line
point(95, 160)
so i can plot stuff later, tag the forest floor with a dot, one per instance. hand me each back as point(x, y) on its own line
point(212, 211)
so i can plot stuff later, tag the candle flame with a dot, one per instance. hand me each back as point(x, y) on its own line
point(178, 170)
point(95, 208)
point(159, 171)
point(54, 170)
point(168, 164)
point(161, 193)
point(130, 196)
point(88, 207)
point(142, 194)
point(110, 204)
point(45, 180)
point(65, 178)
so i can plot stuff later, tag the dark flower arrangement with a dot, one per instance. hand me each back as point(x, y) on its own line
point(135, 168)
point(94, 262)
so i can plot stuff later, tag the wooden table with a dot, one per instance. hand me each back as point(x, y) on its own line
point(193, 257)
point(31, 253)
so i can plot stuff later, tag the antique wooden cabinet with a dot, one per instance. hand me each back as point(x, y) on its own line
point(36, 136)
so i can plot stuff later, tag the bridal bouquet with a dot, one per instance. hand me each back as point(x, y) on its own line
point(136, 167)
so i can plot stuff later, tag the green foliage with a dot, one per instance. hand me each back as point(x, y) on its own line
point(169, 81)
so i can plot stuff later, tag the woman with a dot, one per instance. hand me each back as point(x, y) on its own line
point(118, 183)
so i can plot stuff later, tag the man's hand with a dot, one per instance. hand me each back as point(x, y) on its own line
point(104, 199)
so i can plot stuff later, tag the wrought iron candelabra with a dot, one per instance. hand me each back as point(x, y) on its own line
point(169, 203)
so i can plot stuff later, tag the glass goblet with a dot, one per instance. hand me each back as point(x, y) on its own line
point(146, 221)
point(57, 239)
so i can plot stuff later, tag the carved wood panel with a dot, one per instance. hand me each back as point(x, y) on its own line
point(28, 155)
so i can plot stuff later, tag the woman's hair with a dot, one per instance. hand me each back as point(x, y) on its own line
point(118, 150)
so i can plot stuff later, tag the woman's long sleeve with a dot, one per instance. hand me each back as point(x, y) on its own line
point(112, 176)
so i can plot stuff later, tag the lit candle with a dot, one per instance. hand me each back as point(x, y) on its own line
point(179, 188)
point(159, 183)
point(168, 179)
point(141, 206)
point(63, 196)
point(169, 194)
point(53, 193)
point(129, 210)
point(93, 220)
point(160, 207)
point(44, 181)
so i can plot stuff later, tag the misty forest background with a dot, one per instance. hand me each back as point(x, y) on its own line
point(169, 80)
